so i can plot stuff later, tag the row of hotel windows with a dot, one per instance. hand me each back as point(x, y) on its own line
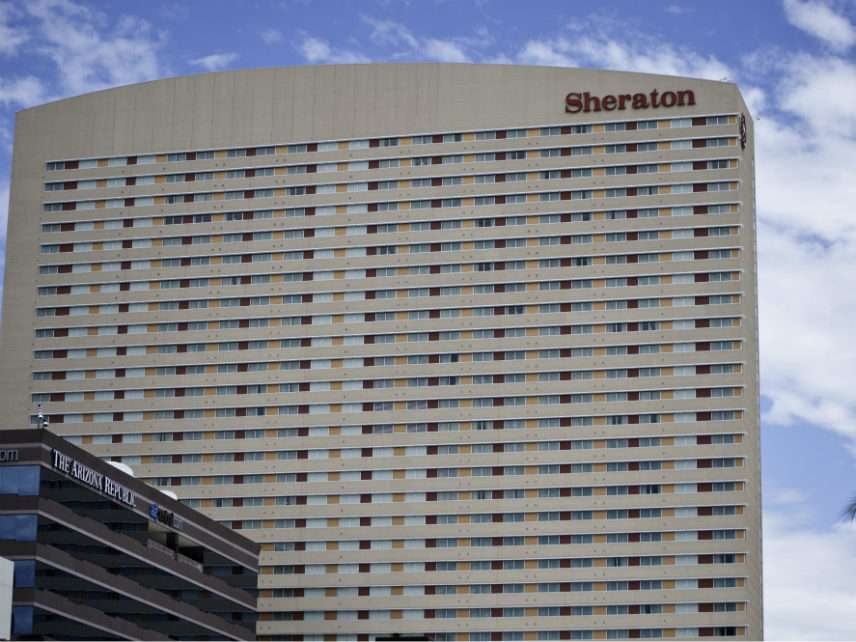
point(645, 537)
point(565, 634)
point(350, 251)
point(344, 522)
point(493, 380)
point(409, 405)
point(388, 361)
point(543, 564)
point(433, 181)
point(448, 472)
point(475, 495)
point(549, 587)
point(299, 148)
point(379, 317)
point(468, 311)
point(475, 589)
point(403, 293)
point(412, 473)
point(553, 492)
point(381, 360)
point(679, 585)
point(409, 382)
point(388, 227)
point(564, 587)
point(546, 263)
point(449, 426)
point(345, 408)
point(680, 441)
point(364, 208)
point(372, 317)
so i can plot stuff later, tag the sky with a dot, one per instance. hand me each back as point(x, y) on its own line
point(794, 61)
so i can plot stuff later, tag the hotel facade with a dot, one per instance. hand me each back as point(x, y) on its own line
point(470, 350)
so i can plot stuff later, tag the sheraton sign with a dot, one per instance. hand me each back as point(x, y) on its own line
point(586, 102)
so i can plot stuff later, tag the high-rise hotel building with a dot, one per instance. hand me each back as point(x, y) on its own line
point(471, 350)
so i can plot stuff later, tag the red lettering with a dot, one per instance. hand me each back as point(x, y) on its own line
point(576, 102)
point(573, 104)
point(640, 101)
point(686, 98)
point(591, 103)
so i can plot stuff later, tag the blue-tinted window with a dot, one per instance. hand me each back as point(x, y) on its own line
point(25, 573)
point(19, 480)
point(22, 620)
point(20, 528)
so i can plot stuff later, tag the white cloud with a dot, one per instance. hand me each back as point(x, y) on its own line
point(11, 38)
point(787, 497)
point(677, 9)
point(271, 36)
point(318, 51)
point(21, 92)
point(807, 304)
point(821, 91)
point(213, 62)
point(89, 52)
point(808, 579)
point(819, 20)
point(444, 51)
point(652, 59)
point(603, 50)
point(551, 53)
point(805, 142)
point(388, 33)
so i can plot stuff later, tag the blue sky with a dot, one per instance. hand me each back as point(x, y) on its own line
point(795, 62)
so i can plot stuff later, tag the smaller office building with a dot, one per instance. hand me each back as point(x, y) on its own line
point(100, 555)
